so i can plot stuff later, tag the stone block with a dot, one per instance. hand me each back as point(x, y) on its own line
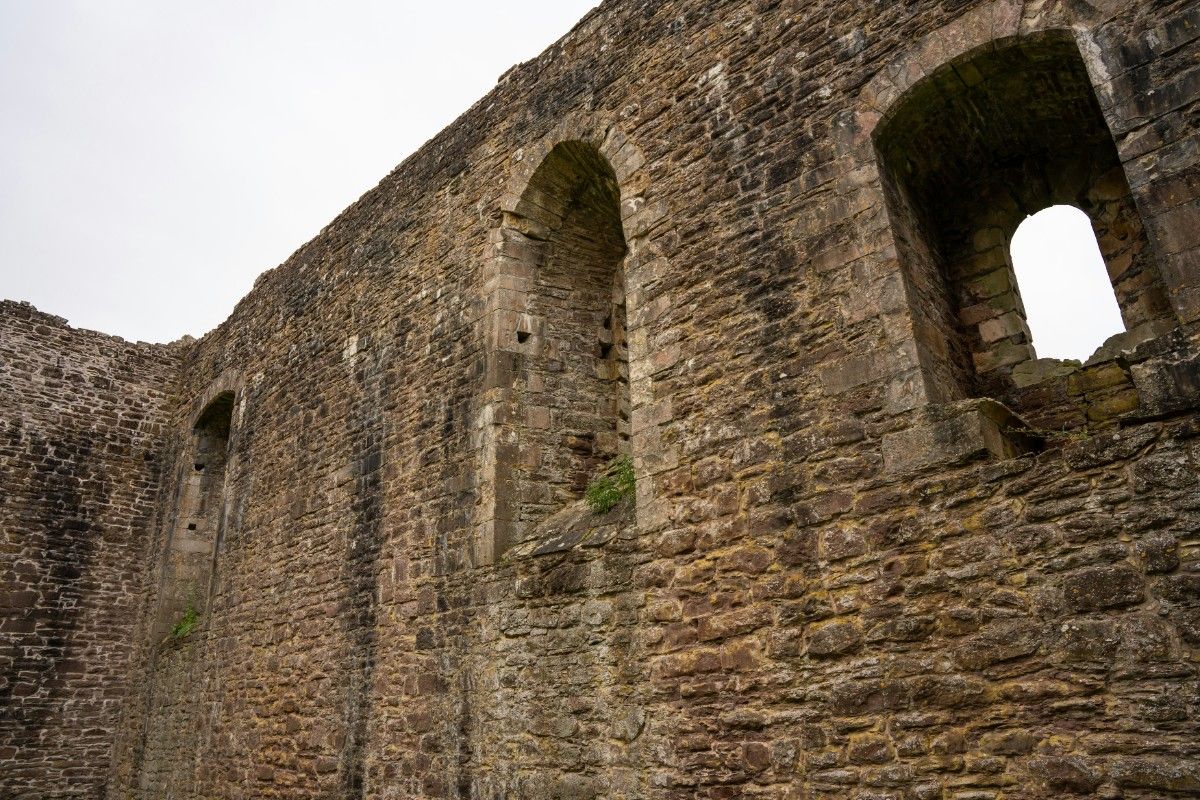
point(834, 638)
point(1104, 587)
point(1160, 552)
point(854, 370)
point(1040, 370)
point(1167, 385)
point(1007, 325)
point(1070, 774)
point(1156, 773)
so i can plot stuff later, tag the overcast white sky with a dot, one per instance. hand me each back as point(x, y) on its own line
point(157, 155)
point(1069, 301)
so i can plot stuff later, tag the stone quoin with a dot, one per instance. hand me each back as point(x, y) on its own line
point(339, 547)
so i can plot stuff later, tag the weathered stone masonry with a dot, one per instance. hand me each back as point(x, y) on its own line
point(878, 549)
point(81, 454)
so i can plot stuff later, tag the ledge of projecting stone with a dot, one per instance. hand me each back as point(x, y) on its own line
point(946, 434)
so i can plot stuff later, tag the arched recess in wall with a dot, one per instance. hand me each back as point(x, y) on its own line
point(199, 515)
point(965, 155)
point(559, 404)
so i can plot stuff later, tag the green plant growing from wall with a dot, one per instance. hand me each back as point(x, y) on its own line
point(611, 486)
point(187, 623)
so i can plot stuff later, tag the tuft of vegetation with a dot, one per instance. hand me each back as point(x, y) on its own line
point(188, 622)
point(611, 486)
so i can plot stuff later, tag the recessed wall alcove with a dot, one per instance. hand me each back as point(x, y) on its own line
point(965, 156)
point(194, 537)
point(560, 390)
point(575, 386)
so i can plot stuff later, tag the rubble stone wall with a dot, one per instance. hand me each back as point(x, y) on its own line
point(837, 579)
point(82, 421)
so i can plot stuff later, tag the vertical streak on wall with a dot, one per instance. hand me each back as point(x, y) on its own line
point(366, 431)
point(129, 749)
point(39, 657)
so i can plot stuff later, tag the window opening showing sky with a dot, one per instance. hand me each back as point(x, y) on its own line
point(1069, 302)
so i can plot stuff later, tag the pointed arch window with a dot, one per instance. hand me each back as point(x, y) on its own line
point(562, 360)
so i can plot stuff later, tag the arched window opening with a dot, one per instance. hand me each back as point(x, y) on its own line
point(571, 401)
point(193, 542)
point(1069, 303)
point(965, 156)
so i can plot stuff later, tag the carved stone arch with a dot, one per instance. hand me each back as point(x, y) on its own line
point(585, 168)
point(990, 26)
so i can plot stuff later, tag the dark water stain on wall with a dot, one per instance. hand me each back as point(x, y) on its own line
point(44, 598)
point(366, 429)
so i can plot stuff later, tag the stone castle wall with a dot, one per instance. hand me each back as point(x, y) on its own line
point(848, 572)
point(81, 453)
